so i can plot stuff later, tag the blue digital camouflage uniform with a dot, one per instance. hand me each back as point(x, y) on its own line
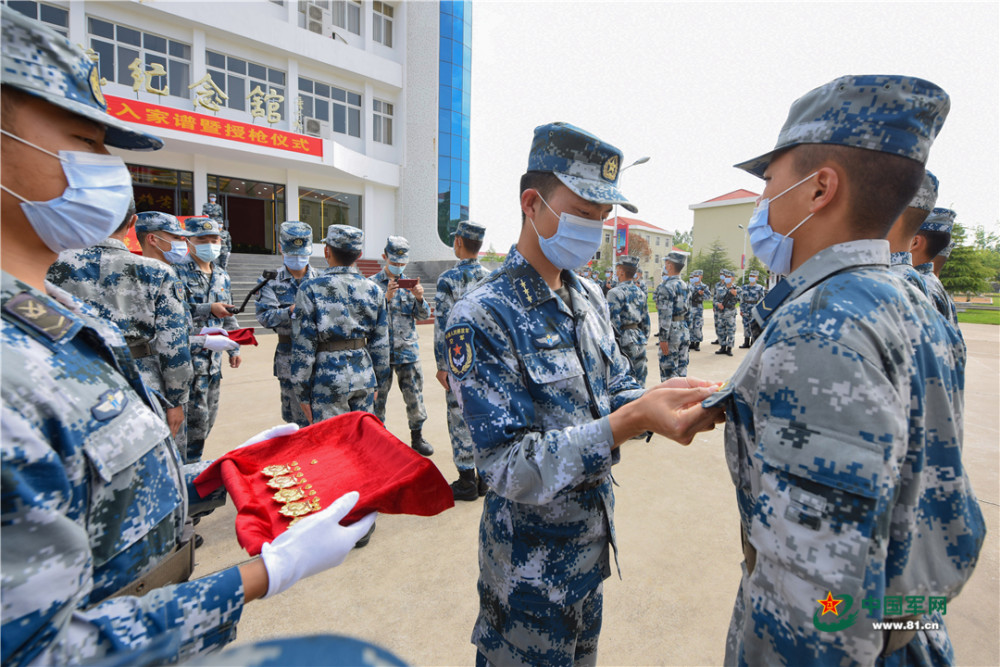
point(93, 495)
point(451, 286)
point(629, 313)
point(214, 211)
point(144, 299)
point(672, 304)
point(536, 385)
point(844, 422)
point(404, 311)
point(902, 264)
point(696, 314)
point(750, 295)
point(939, 220)
point(724, 300)
point(341, 309)
point(201, 291)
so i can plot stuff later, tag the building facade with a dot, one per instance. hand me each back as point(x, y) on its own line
point(324, 111)
point(724, 220)
point(659, 240)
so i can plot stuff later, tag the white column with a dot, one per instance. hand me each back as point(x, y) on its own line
point(199, 181)
point(78, 24)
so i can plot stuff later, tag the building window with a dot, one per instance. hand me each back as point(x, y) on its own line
point(332, 107)
point(118, 47)
point(242, 80)
point(321, 16)
point(657, 240)
point(320, 208)
point(382, 122)
point(163, 190)
point(52, 16)
point(382, 23)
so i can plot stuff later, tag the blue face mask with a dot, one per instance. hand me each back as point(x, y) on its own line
point(296, 262)
point(771, 247)
point(575, 241)
point(178, 251)
point(208, 252)
point(394, 270)
point(94, 203)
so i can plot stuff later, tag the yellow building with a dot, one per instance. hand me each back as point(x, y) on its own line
point(724, 219)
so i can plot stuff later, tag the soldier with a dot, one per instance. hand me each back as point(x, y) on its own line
point(696, 312)
point(844, 421)
point(144, 299)
point(725, 299)
point(627, 306)
point(451, 286)
point(933, 237)
point(750, 295)
point(901, 235)
point(213, 210)
point(942, 259)
point(94, 495)
point(719, 285)
point(406, 306)
point(543, 388)
point(275, 306)
point(207, 291)
point(672, 304)
point(340, 333)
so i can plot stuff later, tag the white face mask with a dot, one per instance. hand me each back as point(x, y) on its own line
point(178, 250)
point(772, 248)
point(575, 241)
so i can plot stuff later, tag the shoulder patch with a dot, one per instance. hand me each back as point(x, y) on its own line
point(109, 404)
point(179, 291)
point(38, 315)
point(461, 353)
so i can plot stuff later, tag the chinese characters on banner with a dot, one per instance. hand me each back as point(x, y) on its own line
point(210, 126)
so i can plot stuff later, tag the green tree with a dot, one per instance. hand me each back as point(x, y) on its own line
point(682, 240)
point(988, 245)
point(964, 271)
point(712, 263)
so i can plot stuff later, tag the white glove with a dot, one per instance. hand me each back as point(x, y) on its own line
point(208, 331)
point(267, 434)
point(316, 543)
point(219, 343)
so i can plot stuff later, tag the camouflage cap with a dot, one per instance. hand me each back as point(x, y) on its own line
point(201, 226)
point(629, 260)
point(753, 274)
point(467, 229)
point(939, 220)
point(295, 238)
point(946, 251)
point(397, 249)
point(157, 221)
point(727, 273)
point(585, 164)
point(697, 272)
point(43, 63)
point(926, 196)
point(344, 237)
point(677, 257)
point(893, 114)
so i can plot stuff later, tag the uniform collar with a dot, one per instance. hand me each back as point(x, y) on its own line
point(340, 269)
point(466, 262)
point(530, 288)
point(285, 274)
point(925, 268)
point(113, 243)
point(901, 258)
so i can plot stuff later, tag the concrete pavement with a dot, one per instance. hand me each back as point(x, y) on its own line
point(413, 589)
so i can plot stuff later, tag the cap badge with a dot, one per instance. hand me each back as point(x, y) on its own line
point(95, 86)
point(297, 242)
point(207, 225)
point(610, 169)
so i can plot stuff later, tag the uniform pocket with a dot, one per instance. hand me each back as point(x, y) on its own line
point(556, 365)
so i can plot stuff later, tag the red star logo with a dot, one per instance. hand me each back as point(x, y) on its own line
point(830, 604)
point(457, 349)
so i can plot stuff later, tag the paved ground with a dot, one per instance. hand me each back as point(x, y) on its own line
point(413, 590)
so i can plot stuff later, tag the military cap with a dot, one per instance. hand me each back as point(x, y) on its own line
point(202, 226)
point(467, 229)
point(397, 249)
point(585, 164)
point(946, 251)
point(926, 196)
point(39, 61)
point(893, 114)
point(727, 273)
point(677, 257)
point(939, 220)
point(697, 272)
point(629, 260)
point(344, 237)
point(157, 221)
point(295, 238)
point(754, 274)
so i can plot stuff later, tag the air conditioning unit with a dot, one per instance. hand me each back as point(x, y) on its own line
point(317, 128)
point(318, 20)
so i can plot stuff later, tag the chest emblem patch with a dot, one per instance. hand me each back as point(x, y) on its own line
point(109, 404)
point(461, 353)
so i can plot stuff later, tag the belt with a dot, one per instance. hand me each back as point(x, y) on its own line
point(139, 348)
point(339, 345)
point(679, 318)
point(626, 327)
point(283, 339)
point(174, 569)
point(587, 486)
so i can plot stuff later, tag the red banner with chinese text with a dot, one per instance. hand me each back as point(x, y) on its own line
point(210, 126)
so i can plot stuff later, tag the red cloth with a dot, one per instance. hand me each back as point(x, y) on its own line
point(353, 452)
point(242, 336)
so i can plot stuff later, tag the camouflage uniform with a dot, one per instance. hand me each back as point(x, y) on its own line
point(902, 264)
point(939, 220)
point(201, 291)
point(672, 304)
point(451, 286)
point(630, 320)
point(144, 299)
point(696, 313)
point(404, 311)
point(273, 306)
point(844, 429)
point(724, 302)
point(336, 309)
point(214, 211)
point(750, 295)
point(538, 373)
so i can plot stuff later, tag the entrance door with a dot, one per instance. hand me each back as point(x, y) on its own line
point(247, 223)
point(252, 210)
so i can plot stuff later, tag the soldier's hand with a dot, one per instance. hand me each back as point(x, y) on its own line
point(664, 347)
point(418, 291)
point(234, 362)
point(267, 434)
point(175, 419)
point(672, 409)
point(221, 310)
point(219, 343)
point(390, 290)
point(442, 377)
point(307, 411)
